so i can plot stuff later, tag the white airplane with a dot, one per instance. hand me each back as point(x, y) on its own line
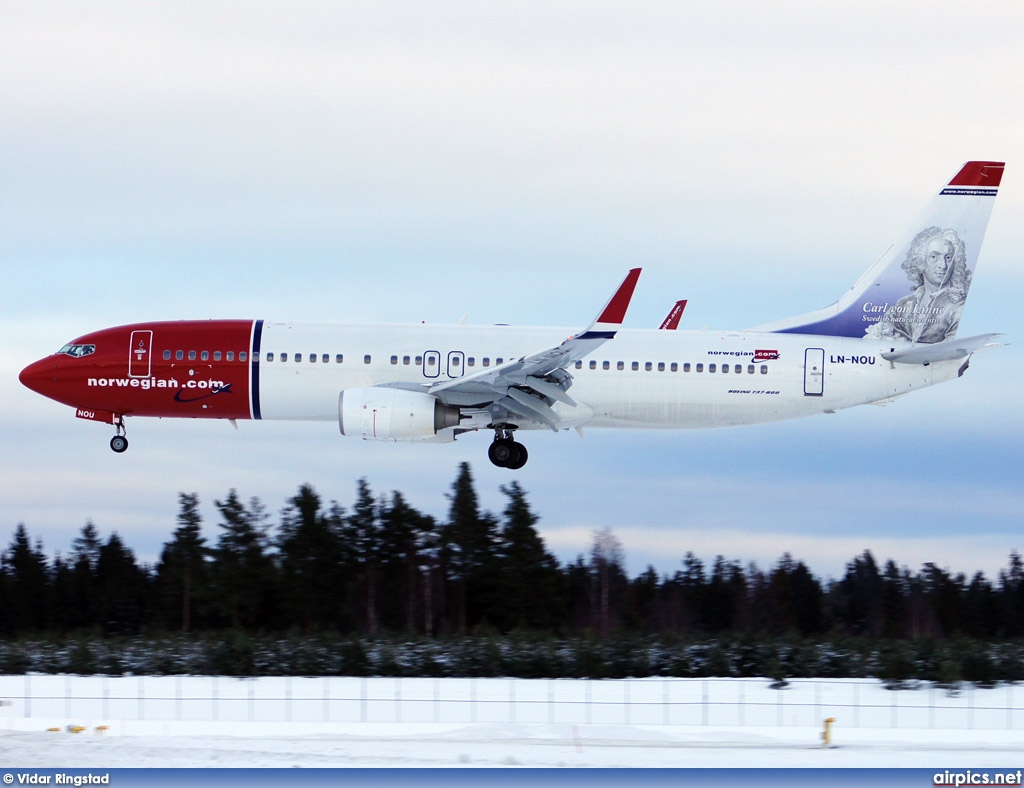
point(893, 332)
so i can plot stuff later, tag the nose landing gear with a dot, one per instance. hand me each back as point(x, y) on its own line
point(119, 443)
point(505, 452)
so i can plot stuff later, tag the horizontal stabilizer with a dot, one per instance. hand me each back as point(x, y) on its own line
point(949, 350)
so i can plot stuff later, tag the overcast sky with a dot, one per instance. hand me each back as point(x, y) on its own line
point(507, 163)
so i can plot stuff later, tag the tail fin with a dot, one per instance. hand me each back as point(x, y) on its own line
point(915, 292)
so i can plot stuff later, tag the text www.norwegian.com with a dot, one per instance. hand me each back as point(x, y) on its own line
point(978, 778)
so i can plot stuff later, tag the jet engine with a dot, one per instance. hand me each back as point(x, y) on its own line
point(387, 414)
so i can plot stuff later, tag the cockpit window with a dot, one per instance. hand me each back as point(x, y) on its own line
point(77, 351)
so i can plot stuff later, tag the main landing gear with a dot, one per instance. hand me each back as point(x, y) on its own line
point(119, 443)
point(505, 452)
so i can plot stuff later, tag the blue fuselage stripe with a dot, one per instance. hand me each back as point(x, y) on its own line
point(254, 385)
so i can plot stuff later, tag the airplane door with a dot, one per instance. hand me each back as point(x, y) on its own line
point(140, 355)
point(814, 371)
point(456, 363)
point(431, 364)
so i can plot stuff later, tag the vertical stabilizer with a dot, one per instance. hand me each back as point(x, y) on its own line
point(917, 289)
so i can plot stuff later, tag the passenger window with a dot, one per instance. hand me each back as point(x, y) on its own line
point(167, 355)
point(661, 366)
point(243, 356)
point(606, 365)
point(593, 365)
point(712, 368)
point(191, 355)
point(217, 355)
point(578, 365)
point(339, 359)
point(419, 360)
point(675, 366)
point(486, 361)
point(700, 367)
point(312, 358)
point(738, 369)
point(764, 369)
point(750, 369)
point(455, 361)
point(635, 366)
point(405, 360)
point(325, 358)
point(686, 366)
point(367, 359)
point(394, 360)
point(204, 356)
point(298, 358)
point(284, 357)
point(431, 360)
point(725, 367)
point(620, 365)
point(498, 360)
point(270, 356)
point(470, 362)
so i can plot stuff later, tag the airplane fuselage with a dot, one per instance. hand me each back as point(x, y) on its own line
point(254, 369)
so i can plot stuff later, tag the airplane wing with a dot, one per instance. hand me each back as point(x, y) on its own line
point(528, 386)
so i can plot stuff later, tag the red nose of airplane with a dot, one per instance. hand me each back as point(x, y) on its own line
point(40, 376)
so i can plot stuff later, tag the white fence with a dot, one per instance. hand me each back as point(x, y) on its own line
point(697, 702)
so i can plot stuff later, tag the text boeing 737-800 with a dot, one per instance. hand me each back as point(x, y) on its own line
point(893, 332)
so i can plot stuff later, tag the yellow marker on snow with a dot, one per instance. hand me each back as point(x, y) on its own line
point(826, 735)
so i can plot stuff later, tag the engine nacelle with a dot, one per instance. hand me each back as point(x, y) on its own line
point(387, 414)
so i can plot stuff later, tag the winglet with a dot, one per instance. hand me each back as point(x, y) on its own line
point(671, 321)
point(614, 311)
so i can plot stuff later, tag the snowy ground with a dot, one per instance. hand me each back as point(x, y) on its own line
point(175, 722)
point(522, 744)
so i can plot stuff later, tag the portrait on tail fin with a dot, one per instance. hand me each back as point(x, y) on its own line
point(936, 265)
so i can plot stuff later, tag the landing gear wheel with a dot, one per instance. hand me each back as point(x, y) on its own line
point(506, 453)
point(119, 443)
point(502, 451)
point(522, 455)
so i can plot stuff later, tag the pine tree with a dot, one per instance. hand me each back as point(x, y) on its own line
point(468, 546)
point(361, 534)
point(121, 589)
point(529, 581)
point(182, 569)
point(243, 573)
point(85, 558)
point(28, 584)
point(313, 562)
point(406, 562)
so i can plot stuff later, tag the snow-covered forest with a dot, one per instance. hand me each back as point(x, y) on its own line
point(379, 588)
